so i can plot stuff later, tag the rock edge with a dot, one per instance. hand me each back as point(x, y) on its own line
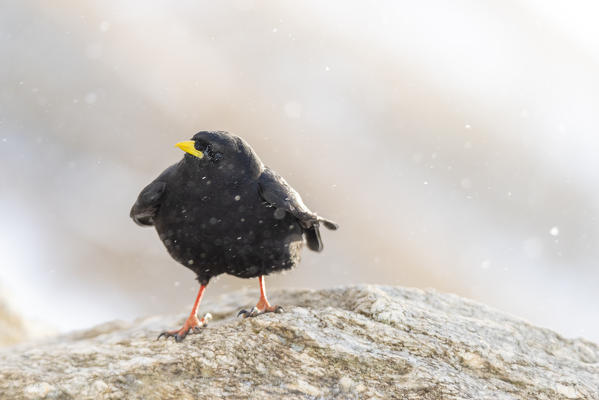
point(349, 342)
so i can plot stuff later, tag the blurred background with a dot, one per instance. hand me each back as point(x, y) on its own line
point(456, 144)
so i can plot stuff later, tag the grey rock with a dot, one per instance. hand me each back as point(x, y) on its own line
point(362, 342)
point(12, 327)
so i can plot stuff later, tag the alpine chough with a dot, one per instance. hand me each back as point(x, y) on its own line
point(221, 210)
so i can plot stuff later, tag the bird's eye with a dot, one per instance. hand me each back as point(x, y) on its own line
point(201, 146)
point(212, 155)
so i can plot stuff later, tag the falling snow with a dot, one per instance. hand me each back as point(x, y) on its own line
point(104, 26)
point(91, 98)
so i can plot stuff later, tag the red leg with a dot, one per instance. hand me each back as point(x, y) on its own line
point(192, 323)
point(263, 306)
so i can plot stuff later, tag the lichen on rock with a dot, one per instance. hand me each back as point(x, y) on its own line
point(356, 342)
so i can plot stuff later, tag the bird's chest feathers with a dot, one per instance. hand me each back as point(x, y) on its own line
point(207, 206)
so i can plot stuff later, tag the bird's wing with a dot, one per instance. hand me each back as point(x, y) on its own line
point(277, 192)
point(148, 202)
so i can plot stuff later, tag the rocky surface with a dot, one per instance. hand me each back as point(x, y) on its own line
point(12, 329)
point(348, 343)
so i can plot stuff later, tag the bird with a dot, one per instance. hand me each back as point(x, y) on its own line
point(221, 210)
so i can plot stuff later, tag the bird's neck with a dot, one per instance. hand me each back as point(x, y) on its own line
point(223, 172)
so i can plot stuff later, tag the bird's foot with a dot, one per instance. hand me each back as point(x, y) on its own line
point(257, 310)
point(192, 325)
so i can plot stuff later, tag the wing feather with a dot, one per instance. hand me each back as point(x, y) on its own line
point(277, 192)
point(148, 202)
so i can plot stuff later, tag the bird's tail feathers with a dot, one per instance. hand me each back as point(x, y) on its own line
point(313, 238)
point(328, 224)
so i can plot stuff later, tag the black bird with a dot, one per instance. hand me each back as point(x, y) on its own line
point(221, 210)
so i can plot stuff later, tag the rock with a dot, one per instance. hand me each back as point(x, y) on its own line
point(347, 343)
point(12, 328)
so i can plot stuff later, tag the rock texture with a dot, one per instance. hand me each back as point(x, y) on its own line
point(12, 328)
point(348, 343)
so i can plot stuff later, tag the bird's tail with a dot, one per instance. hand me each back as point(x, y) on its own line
point(313, 233)
point(328, 223)
point(313, 238)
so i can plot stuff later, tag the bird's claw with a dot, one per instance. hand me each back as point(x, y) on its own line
point(243, 312)
point(252, 313)
point(187, 329)
point(255, 311)
point(178, 335)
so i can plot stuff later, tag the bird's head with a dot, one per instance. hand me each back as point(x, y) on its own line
point(208, 145)
point(221, 150)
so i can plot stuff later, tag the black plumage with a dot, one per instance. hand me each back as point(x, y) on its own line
point(220, 210)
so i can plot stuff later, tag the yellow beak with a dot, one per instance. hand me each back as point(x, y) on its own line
point(188, 146)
